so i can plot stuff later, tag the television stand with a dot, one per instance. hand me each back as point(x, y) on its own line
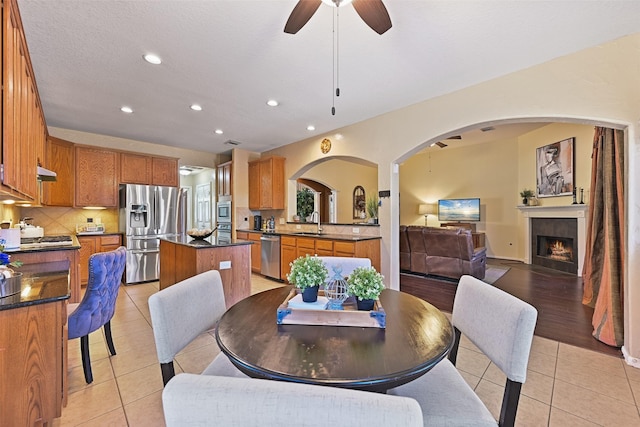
point(468, 225)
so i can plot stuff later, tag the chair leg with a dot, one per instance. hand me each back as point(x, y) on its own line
point(167, 372)
point(453, 354)
point(509, 403)
point(107, 334)
point(86, 360)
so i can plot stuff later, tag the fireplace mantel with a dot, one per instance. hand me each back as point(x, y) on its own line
point(568, 211)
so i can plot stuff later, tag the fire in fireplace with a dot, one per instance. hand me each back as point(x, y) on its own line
point(556, 248)
point(554, 243)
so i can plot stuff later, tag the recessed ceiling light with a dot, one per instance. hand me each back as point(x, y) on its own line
point(196, 107)
point(339, 136)
point(311, 127)
point(152, 59)
point(126, 109)
point(219, 131)
point(272, 103)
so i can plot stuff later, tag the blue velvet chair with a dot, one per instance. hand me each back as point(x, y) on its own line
point(98, 304)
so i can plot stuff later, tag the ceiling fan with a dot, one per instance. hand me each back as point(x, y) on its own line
point(442, 144)
point(372, 12)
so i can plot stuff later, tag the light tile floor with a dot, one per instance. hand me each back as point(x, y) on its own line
point(566, 385)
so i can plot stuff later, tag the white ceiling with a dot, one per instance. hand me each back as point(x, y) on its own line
point(231, 56)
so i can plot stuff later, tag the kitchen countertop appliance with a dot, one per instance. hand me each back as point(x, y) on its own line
point(146, 214)
point(270, 255)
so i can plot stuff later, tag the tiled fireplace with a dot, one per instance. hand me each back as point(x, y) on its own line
point(555, 236)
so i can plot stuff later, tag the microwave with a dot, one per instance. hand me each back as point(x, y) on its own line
point(224, 211)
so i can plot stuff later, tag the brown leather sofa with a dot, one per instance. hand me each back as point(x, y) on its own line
point(446, 252)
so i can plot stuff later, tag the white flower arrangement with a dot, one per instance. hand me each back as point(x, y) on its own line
point(307, 271)
point(365, 283)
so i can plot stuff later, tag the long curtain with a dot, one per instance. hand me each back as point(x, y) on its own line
point(604, 259)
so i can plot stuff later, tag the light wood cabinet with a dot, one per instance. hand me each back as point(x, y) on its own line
point(135, 168)
point(90, 245)
point(266, 183)
point(256, 248)
point(24, 129)
point(97, 177)
point(294, 247)
point(60, 159)
point(33, 385)
point(288, 253)
point(224, 179)
point(164, 171)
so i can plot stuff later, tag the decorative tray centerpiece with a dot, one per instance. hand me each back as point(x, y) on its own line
point(292, 312)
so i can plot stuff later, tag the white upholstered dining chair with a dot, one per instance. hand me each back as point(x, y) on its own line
point(183, 311)
point(343, 265)
point(501, 326)
point(202, 400)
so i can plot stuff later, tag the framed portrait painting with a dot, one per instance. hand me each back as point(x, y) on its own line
point(555, 172)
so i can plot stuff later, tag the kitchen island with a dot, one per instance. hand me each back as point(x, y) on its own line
point(33, 346)
point(183, 257)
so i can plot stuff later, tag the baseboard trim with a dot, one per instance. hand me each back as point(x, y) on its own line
point(631, 361)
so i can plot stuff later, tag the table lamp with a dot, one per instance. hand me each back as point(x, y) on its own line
point(426, 210)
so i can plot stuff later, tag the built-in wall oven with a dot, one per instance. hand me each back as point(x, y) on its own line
point(223, 212)
point(224, 232)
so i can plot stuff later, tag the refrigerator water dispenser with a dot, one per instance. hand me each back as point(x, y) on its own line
point(138, 216)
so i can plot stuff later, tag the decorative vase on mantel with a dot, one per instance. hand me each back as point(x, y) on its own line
point(310, 294)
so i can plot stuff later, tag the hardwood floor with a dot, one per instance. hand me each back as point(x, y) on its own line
point(556, 295)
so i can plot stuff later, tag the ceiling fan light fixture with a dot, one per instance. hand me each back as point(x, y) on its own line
point(336, 3)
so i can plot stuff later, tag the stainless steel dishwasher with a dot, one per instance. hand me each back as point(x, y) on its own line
point(270, 256)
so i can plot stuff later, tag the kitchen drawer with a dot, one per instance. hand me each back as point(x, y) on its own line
point(324, 245)
point(110, 240)
point(287, 241)
point(306, 243)
point(242, 235)
point(255, 237)
point(342, 248)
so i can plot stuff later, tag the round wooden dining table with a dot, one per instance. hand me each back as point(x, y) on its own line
point(417, 336)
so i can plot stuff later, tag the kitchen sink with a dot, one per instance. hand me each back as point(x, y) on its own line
point(306, 233)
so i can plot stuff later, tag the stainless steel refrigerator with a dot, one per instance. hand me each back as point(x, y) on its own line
point(146, 214)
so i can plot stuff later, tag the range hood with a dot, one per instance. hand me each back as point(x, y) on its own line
point(46, 174)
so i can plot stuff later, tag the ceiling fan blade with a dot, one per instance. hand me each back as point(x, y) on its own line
point(301, 14)
point(374, 14)
point(455, 137)
point(441, 144)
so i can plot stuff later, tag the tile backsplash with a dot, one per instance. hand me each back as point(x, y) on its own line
point(63, 220)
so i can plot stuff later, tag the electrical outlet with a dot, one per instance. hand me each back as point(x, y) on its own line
point(355, 230)
point(298, 226)
point(225, 265)
point(281, 221)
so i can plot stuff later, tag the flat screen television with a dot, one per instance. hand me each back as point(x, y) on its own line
point(459, 210)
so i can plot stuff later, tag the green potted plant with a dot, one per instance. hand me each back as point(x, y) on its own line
point(366, 284)
point(372, 208)
point(308, 273)
point(304, 203)
point(526, 194)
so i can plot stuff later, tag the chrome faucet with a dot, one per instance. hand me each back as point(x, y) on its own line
point(315, 215)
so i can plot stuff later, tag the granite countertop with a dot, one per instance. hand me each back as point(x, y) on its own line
point(209, 242)
point(75, 244)
point(41, 283)
point(328, 236)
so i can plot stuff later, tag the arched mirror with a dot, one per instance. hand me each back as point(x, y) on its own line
point(359, 203)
